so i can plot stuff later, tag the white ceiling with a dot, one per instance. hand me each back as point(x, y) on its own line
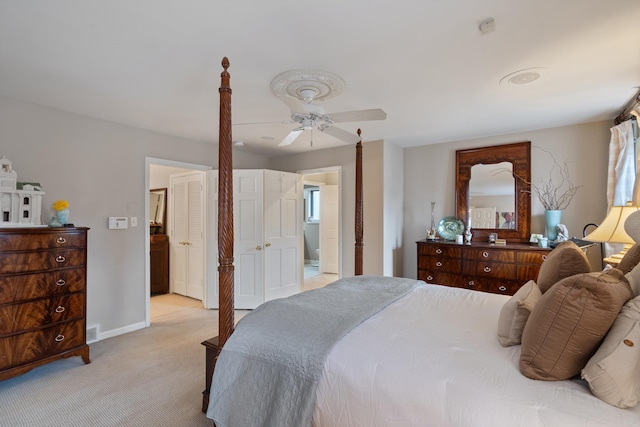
point(155, 64)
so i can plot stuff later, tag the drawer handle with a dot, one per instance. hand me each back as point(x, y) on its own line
point(438, 264)
point(60, 258)
point(429, 278)
point(438, 251)
point(487, 269)
point(61, 240)
point(472, 283)
point(61, 282)
point(544, 257)
point(59, 309)
point(485, 254)
point(502, 288)
point(59, 338)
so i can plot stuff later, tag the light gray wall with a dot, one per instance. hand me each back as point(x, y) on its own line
point(393, 210)
point(429, 176)
point(99, 167)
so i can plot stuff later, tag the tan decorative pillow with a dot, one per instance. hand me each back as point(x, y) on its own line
point(565, 260)
point(630, 259)
point(515, 312)
point(567, 325)
point(613, 373)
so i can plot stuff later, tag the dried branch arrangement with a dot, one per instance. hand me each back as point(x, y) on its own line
point(552, 195)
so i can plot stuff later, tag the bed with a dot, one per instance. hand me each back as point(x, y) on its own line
point(424, 355)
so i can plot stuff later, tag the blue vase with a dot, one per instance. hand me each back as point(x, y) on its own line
point(552, 219)
point(63, 216)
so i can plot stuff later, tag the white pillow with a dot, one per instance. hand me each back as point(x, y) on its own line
point(613, 372)
point(634, 279)
point(515, 312)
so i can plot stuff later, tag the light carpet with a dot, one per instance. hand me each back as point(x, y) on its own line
point(150, 377)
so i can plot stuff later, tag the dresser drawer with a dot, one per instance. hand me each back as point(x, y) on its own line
point(53, 240)
point(439, 250)
point(16, 262)
point(489, 284)
point(16, 288)
point(16, 318)
point(531, 257)
point(498, 270)
point(440, 278)
point(528, 272)
point(31, 346)
point(451, 265)
point(490, 255)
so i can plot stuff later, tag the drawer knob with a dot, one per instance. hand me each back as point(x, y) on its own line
point(429, 278)
point(438, 251)
point(502, 288)
point(485, 254)
point(61, 240)
point(59, 338)
point(487, 269)
point(544, 257)
point(60, 258)
point(438, 264)
point(61, 282)
point(59, 309)
point(472, 283)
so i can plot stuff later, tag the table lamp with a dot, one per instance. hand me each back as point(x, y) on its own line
point(612, 231)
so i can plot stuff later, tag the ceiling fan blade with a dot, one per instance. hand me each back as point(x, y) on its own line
point(358, 115)
point(294, 104)
point(340, 134)
point(291, 137)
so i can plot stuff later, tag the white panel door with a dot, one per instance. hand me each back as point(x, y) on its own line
point(187, 233)
point(178, 249)
point(248, 244)
point(195, 238)
point(211, 248)
point(483, 217)
point(329, 232)
point(283, 234)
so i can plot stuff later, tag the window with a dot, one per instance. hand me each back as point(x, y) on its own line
point(313, 205)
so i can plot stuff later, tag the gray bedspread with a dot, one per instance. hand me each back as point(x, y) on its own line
point(269, 369)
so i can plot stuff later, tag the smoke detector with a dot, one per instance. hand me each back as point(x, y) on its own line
point(522, 77)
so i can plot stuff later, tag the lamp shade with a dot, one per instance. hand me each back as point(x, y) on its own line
point(612, 228)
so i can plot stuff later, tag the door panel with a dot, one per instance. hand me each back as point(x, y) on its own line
point(195, 244)
point(329, 229)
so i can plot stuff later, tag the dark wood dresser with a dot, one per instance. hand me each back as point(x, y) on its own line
point(42, 297)
point(479, 266)
point(159, 264)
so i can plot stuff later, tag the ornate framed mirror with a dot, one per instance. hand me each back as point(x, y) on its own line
point(488, 195)
point(158, 211)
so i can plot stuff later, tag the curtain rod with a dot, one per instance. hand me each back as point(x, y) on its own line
point(626, 113)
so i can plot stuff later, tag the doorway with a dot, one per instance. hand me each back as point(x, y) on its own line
point(322, 226)
point(157, 175)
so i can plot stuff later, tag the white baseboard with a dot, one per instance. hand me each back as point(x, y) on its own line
point(120, 331)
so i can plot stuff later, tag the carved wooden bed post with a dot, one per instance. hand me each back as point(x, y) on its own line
point(225, 235)
point(359, 222)
point(225, 211)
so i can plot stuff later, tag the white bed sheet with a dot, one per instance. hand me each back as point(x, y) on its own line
point(432, 359)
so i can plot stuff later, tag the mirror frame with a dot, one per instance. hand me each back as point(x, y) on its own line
point(518, 154)
point(163, 229)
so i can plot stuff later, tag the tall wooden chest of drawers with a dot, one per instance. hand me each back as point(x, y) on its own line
point(479, 266)
point(42, 297)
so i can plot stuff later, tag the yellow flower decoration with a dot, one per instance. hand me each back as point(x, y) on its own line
point(59, 205)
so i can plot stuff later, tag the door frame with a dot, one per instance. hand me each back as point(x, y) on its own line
point(338, 170)
point(148, 161)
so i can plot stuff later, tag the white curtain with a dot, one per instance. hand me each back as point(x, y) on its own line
point(622, 166)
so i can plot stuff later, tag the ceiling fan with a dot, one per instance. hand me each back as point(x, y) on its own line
point(311, 116)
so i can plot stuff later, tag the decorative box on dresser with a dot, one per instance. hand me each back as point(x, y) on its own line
point(42, 297)
point(480, 266)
